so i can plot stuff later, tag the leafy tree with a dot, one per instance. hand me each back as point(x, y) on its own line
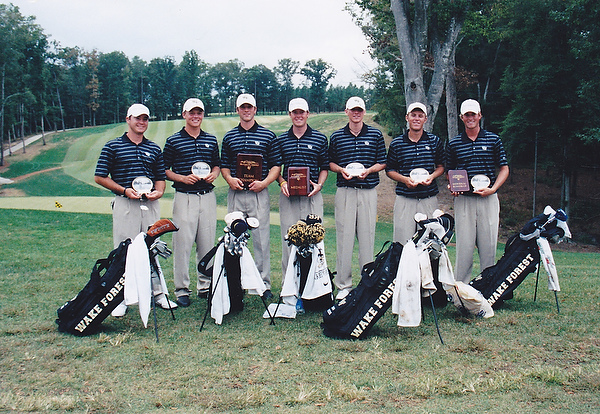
point(93, 85)
point(261, 82)
point(421, 54)
point(227, 83)
point(193, 79)
point(22, 51)
point(138, 73)
point(114, 78)
point(552, 84)
point(163, 101)
point(285, 71)
point(318, 73)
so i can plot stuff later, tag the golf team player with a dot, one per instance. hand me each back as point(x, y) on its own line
point(122, 160)
point(476, 212)
point(356, 195)
point(301, 146)
point(414, 149)
point(195, 203)
point(251, 138)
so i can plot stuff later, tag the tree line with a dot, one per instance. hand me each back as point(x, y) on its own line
point(45, 86)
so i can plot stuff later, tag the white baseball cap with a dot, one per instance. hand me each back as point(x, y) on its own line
point(191, 104)
point(355, 102)
point(245, 98)
point(137, 109)
point(470, 105)
point(298, 103)
point(416, 105)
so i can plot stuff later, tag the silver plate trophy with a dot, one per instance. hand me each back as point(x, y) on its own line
point(200, 169)
point(480, 181)
point(419, 175)
point(142, 185)
point(354, 169)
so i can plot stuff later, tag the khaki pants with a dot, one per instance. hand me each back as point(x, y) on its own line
point(355, 218)
point(292, 209)
point(196, 217)
point(129, 220)
point(477, 219)
point(405, 209)
point(256, 205)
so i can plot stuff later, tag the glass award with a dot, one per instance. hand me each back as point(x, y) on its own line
point(200, 169)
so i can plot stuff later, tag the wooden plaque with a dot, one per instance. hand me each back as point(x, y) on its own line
point(298, 181)
point(249, 168)
point(459, 181)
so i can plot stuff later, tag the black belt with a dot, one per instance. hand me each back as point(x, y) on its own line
point(198, 192)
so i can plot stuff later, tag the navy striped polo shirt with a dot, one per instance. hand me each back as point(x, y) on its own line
point(310, 150)
point(256, 140)
point(124, 161)
point(405, 155)
point(481, 156)
point(368, 148)
point(182, 151)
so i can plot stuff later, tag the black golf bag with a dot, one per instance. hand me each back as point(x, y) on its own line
point(521, 257)
point(354, 316)
point(83, 314)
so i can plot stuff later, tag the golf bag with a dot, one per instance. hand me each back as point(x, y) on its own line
point(83, 314)
point(307, 283)
point(398, 277)
point(354, 316)
point(521, 257)
point(233, 269)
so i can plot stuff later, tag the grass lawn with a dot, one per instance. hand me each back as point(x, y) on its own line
point(527, 358)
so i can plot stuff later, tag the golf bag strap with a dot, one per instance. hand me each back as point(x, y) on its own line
point(370, 267)
point(203, 263)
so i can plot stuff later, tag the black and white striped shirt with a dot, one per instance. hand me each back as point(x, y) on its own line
point(124, 161)
point(368, 148)
point(405, 155)
point(182, 151)
point(256, 140)
point(310, 150)
point(481, 156)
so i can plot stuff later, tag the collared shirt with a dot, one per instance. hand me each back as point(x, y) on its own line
point(310, 150)
point(183, 150)
point(405, 155)
point(256, 140)
point(368, 148)
point(481, 156)
point(124, 161)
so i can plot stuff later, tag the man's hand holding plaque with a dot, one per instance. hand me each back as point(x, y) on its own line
point(249, 168)
point(298, 181)
point(458, 181)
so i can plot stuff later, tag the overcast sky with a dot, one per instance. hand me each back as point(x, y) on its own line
point(253, 31)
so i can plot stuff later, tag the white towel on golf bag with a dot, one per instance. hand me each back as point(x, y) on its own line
point(138, 277)
point(317, 282)
point(547, 259)
point(469, 297)
point(250, 280)
point(445, 272)
point(406, 301)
